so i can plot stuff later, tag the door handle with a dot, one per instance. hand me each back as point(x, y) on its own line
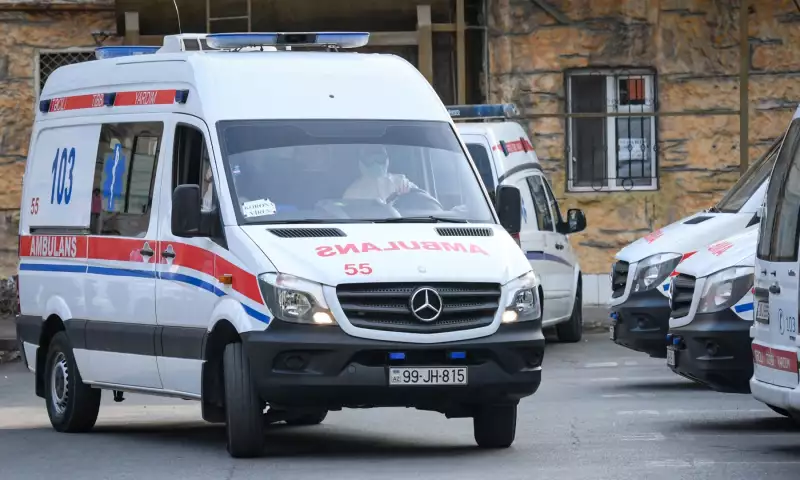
point(146, 251)
point(168, 253)
point(775, 288)
point(559, 246)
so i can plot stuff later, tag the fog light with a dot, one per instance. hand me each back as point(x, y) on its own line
point(510, 316)
point(323, 318)
point(712, 349)
point(295, 362)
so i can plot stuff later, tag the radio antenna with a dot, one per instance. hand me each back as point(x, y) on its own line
point(178, 13)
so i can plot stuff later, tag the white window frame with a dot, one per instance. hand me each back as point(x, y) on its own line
point(612, 107)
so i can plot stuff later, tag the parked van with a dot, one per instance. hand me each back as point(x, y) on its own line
point(504, 155)
point(711, 298)
point(774, 332)
point(302, 230)
point(640, 277)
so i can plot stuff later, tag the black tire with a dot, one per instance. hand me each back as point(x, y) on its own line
point(71, 404)
point(308, 419)
point(495, 426)
point(243, 407)
point(571, 331)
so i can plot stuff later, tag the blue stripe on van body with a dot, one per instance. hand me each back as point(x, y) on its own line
point(745, 307)
point(547, 258)
point(124, 272)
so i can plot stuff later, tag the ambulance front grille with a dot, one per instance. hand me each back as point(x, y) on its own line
point(619, 277)
point(682, 293)
point(387, 306)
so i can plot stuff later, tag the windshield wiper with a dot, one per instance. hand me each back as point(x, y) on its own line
point(425, 219)
point(310, 221)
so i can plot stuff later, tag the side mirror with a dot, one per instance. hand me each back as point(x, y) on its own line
point(509, 208)
point(186, 216)
point(576, 221)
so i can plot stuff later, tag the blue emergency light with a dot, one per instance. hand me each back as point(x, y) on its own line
point(223, 41)
point(483, 112)
point(103, 53)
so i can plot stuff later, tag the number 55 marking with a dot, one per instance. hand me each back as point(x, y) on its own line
point(353, 269)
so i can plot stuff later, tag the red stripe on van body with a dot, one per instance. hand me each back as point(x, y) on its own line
point(76, 102)
point(144, 97)
point(515, 146)
point(128, 250)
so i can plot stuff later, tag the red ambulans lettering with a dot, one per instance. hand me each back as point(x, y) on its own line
point(653, 236)
point(366, 247)
point(58, 104)
point(719, 248)
point(54, 246)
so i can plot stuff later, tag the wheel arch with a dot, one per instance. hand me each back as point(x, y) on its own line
point(50, 328)
point(212, 396)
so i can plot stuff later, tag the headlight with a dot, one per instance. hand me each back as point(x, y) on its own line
point(294, 299)
point(523, 302)
point(653, 270)
point(723, 289)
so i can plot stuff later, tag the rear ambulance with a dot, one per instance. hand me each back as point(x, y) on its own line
point(777, 265)
point(712, 311)
point(640, 277)
point(504, 155)
point(298, 230)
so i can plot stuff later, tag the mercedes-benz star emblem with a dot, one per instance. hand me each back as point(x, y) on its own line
point(426, 304)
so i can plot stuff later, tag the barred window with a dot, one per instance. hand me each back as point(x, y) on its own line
point(612, 130)
point(49, 60)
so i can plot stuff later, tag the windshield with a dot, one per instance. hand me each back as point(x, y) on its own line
point(350, 171)
point(747, 185)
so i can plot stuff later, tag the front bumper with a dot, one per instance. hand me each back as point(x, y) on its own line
point(641, 323)
point(714, 350)
point(323, 367)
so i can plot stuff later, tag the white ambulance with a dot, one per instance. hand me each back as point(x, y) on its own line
point(711, 298)
point(775, 337)
point(640, 277)
point(504, 155)
point(298, 229)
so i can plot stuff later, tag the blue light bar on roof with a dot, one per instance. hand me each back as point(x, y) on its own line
point(113, 52)
point(300, 39)
point(499, 110)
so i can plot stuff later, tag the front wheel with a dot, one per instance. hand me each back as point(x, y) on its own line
point(495, 426)
point(72, 405)
point(571, 331)
point(243, 407)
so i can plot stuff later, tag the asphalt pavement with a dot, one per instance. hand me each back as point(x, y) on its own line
point(602, 412)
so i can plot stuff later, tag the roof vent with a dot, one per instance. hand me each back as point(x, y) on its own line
point(465, 231)
point(306, 232)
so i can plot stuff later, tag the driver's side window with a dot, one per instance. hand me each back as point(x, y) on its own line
point(553, 202)
point(192, 164)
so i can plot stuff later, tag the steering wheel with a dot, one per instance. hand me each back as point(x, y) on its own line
point(414, 192)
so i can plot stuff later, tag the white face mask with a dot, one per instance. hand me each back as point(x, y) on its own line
point(373, 169)
point(208, 174)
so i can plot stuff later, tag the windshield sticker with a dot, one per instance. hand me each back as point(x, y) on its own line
point(654, 236)
point(258, 208)
point(366, 247)
point(719, 248)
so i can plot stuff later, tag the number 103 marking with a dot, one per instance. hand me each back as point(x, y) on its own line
point(63, 161)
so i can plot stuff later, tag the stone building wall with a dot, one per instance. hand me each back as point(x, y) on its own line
point(694, 47)
point(22, 33)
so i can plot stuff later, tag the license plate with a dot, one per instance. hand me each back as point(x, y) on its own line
point(671, 357)
point(611, 332)
point(762, 312)
point(422, 376)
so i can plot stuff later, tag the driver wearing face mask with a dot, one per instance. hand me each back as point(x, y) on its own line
point(375, 181)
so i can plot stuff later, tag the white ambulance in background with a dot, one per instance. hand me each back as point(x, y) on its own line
point(640, 277)
point(504, 155)
point(711, 298)
point(301, 230)
point(775, 331)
